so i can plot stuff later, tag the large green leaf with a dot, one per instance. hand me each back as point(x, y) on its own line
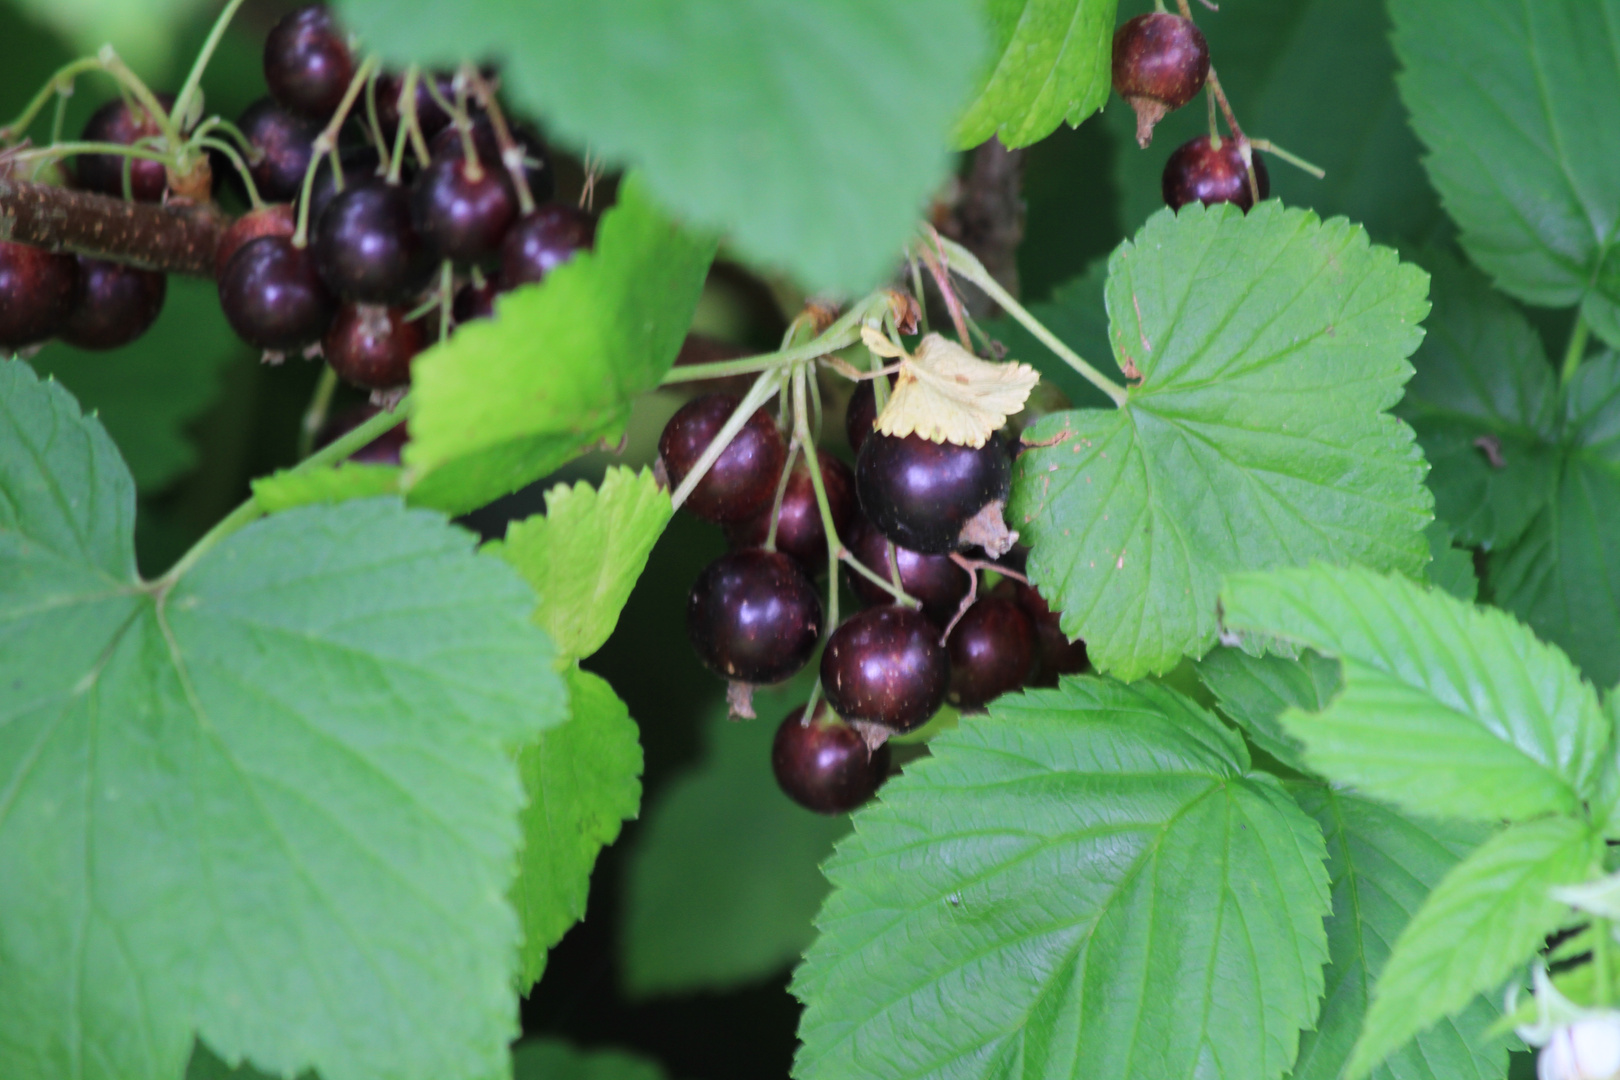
point(1269, 346)
point(507, 400)
point(1485, 918)
point(271, 803)
point(1255, 690)
point(1514, 101)
point(1053, 63)
point(1089, 882)
point(812, 134)
point(551, 1059)
point(1447, 709)
point(1382, 865)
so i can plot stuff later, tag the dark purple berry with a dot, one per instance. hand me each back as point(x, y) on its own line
point(754, 616)
point(383, 450)
point(430, 116)
point(992, 651)
point(359, 164)
point(475, 301)
point(543, 241)
point(861, 413)
point(104, 173)
point(371, 346)
point(1058, 655)
point(37, 290)
point(934, 580)
point(277, 219)
point(368, 248)
point(824, 765)
point(114, 305)
point(742, 481)
point(921, 494)
point(1160, 62)
point(799, 530)
point(307, 62)
point(285, 142)
point(537, 168)
point(464, 210)
point(885, 665)
point(1201, 172)
point(273, 297)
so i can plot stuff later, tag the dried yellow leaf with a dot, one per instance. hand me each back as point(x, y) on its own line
point(946, 394)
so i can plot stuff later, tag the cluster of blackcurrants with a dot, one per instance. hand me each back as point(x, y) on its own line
point(755, 615)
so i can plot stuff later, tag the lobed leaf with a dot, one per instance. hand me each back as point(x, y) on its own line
point(1255, 691)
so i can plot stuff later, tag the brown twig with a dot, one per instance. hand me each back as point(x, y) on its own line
point(176, 238)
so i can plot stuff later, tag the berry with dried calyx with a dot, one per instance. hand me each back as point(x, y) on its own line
point(933, 580)
point(37, 290)
point(799, 530)
point(992, 649)
point(371, 346)
point(368, 248)
point(307, 63)
point(823, 764)
point(1201, 171)
point(754, 616)
point(1160, 63)
point(544, 240)
point(273, 297)
point(114, 304)
point(935, 497)
point(885, 666)
point(742, 481)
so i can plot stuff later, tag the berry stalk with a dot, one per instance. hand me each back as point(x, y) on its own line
point(175, 238)
point(764, 388)
point(190, 88)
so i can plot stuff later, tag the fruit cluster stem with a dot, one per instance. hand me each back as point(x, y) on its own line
point(803, 439)
point(841, 334)
point(176, 239)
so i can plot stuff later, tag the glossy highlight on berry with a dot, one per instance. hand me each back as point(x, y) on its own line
point(742, 481)
point(921, 494)
point(1200, 171)
point(1160, 63)
point(885, 665)
point(753, 616)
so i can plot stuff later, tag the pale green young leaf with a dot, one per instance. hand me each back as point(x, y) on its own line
point(585, 553)
point(509, 399)
point(1447, 709)
point(1254, 691)
point(1052, 65)
point(1269, 346)
point(287, 488)
point(251, 805)
point(1513, 101)
point(1000, 908)
point(1481, 923)
point(1450, 568)
point(810, 134)
point(552, 1059)
point(582, 781)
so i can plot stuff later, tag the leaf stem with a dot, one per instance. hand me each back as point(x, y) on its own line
point(1602, 961)
point(182, 100)
point(1576, 350)
point(315, 416)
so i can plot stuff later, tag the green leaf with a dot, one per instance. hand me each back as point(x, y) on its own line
point(1512, 100)
point(1269, 346)
point(1077, 313)
point(148, 392)
point(1316, 77)
point(1563, 576)
point(1053, 63)
point(584, 555)
point(1485, 918)
point(287, 488)
point(1482, 375)
point(205, 1065)
point(1001, 908)
point(552, 1059)
point(706, 916)
point(266, 803)
point(811, 135)
point(143, 31)
point(1451, 568)
point(582, 780)
point(1254, 691)
point(1383, 865)
point(509, 399)
point(1447, 709)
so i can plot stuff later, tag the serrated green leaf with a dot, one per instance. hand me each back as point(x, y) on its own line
point(1254, 691)
point(706, 916)
point(1513, 100)
point(1077, 313)
point(584, 555)
point(1269, 346)
point(287, 488)
point(206, 1065)
point(1485, 918)
point(552, 1059)
point(1450, 568)
point(1432, 684)
point(148, 392)
point(509, 399)
point(812, 135)
point(1053, 64)
point(1383, 865)
point(999, 910)
point(582, 780)
point(265, 804)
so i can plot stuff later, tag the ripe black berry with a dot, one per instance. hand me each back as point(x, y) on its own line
point(1201, 172)
point(429, 116)
point(992, 651)
point(464, 210)
point(1160, 62)
point(371, 346)
point(114, 304)
point(537, 168)
point(368, 248)
point(286, 143)
point(861, 413)
point(885, 665)
point(276, 219)
point(543, 241)
point(799, 530)
point(273, 297)
point(359, 164)
point(825, 765)
point(37, 290)
point(934, 580)
point(474, 301)
point(307, 62)
point(754, 616)
point(922, 493)
point(104, 173)
point(742, 481)
point(1058, 655)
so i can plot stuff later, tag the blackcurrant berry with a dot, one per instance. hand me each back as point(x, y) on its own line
point(383, 450)
point(799, 530)
point(992, 649)
point(464, 210)
point(861, 413)
point(368, 248)
point(824, 765)
point(104, 173)
point(276, 219)
point(285, 142)
point(273, 297)
point(359, 164)
point(371, 346)
point(742, 481)
point(1058, 655)
point(1160, 62)
point(921, 494)
point(934, 580)
point(37, 290)
point(537, 168)
point(429, 115)
point(114, 304)
point(475, 301)
point(754, 616)
point(544, 240)
point(1201, 172)
point(307, 62)
point(885, 665)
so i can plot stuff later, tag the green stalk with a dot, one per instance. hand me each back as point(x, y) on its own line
point(182, 100)
point(845, 332)
point(764, 388)
point(1576, 351)
point(1603, 961)
point(56, 84)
